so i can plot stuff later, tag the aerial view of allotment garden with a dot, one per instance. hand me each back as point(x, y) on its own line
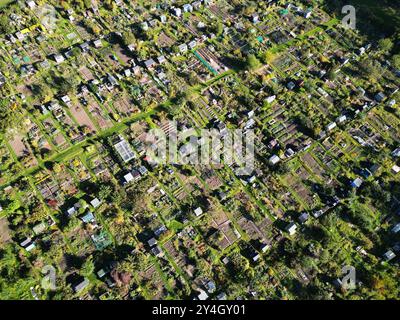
point(87, 214)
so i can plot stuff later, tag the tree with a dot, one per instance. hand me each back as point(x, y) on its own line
point(385, 44)
point(332, 75)
point(219, 28)
point(395, 60)
point(252, 62)
point(370, 69)
point(88, 267)
point(5, 26)
point(9, 115)
point(128, 38)
point(105, 191)
point(43, 92)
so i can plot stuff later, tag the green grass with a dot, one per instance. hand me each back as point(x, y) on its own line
point(4, 3)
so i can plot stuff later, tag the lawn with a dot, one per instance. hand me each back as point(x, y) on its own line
point(3, 3)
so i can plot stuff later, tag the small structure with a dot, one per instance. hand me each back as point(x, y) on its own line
point(291, 85)
point(203, 295)
point(85, 46)
point(389, 255)
point(187, 8)
point(128, 178)
point(274, 160)
point(211, 287)
point(192, 44)
point(66, 99)
point(88, 217)
point(341, 119)
point(149, 63)
point(124, 150)
point(380, 97)
point(396, 228)
point(152, 242)
point(183, 48)
point(177, 12)
point(157, 251)
point(95, 203)
point(291, 228)
point(303, 217)
point(59, 58)
point(255, 18)
point(331, 126)
point(97, 43)
point(161, 59)
point(198, 212)
point(82, 285)
point(356, 183)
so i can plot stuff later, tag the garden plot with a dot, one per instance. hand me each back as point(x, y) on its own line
point(288, 133)
point(283, 62)
point(179, 257)
point(109, 56)
point(81, 117)
point(66, 181)
point(48, 188)
point(192, 25)
point(68, 125)
point(265, 225)
point(86, 73)
point(98, 113)
point(279, 37)
point(231, 235)
point(204, 110)
point(385, 123)
point(125, 106)
point(364, 135)
point(164, 41)
point(325, 158)
point(313, 165)
point(57, 137)
point(7, 164)
point(321, 105)
point(77, 166)
point(193, 64)
point(250, 228)
point(153, 94)
point(291, 22)
point(5, 234)
point(25, 90)
point(190, 183)
point(122, 54)
point(80, 241)
point(18, 145)
point(344, 42)
point(98, 167)
point(297, 188)
point(84, 35)
point(218, 217)
point(221, 10)
point(37, 139)
point(152, 282)
point(23, 151)
point(237, 41)
point(210, 60)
